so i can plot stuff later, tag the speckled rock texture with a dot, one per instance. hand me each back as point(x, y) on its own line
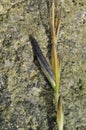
point(26, 98)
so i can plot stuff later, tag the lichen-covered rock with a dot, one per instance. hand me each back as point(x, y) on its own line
point(26, 99)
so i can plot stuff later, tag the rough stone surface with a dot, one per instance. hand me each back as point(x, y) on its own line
point(26, 98)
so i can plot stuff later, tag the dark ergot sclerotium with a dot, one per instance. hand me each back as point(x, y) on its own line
point(42, 60)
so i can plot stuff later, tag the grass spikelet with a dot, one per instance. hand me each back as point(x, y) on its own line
point(52, 74)
point(55, 26)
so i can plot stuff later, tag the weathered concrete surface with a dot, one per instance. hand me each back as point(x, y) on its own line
point(26, 99)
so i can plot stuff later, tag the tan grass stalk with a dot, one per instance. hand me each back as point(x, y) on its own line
point(60, 114)
point(55, 26)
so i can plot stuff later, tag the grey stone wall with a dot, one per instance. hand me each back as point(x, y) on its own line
point(26, 98)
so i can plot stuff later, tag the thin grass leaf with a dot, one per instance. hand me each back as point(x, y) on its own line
point(58, 22)
point(52, 14)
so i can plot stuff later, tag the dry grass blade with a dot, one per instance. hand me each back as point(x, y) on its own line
point(53, 15)
point(58, 22)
